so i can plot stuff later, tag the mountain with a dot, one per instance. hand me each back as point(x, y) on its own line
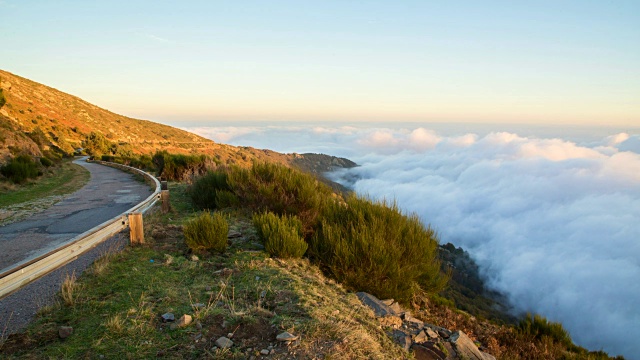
point(37, 117)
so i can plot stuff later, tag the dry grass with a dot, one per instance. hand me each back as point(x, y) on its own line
point(69, 290)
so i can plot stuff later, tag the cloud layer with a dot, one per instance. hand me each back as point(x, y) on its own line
point(553, 224)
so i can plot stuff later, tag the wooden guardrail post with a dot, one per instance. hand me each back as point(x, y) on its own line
point(164, 196)
point(136, 230)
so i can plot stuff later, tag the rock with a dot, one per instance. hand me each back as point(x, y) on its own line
point(444, 333)
point(168, 259)
point(264, 352)
point(198, 306)
point(430, 333)
point(391, 321)
point(224, 343)
point(396, 308)
point(195, 258)
point(233, 234)
point(286, 336)
point(428, 352)
point(388, 302)
point(168, 317)
point(378, 307)
point(402, 339)
point(184, 320)
point(466, 349)
point(421, 337)
point(410, 320)
point(65, 331)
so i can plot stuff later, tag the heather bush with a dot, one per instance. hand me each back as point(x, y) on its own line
point(539, 327)
point(207, 232)
point(211, 191)
point(281, 190)
point(20, 168)
point(281, 235)
point(371, 246)
point(181, 167)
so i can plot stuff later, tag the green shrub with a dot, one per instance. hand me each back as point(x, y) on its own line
point(180, 167)
point(211, 191)
point(207, 232)
point(45, 162)
point(281, 235)
point(20, 168)
point(371, 246)
point(538, 327)
point(281, 190)
point(3, 100)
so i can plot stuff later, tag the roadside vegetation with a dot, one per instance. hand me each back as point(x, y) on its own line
point(60, 179)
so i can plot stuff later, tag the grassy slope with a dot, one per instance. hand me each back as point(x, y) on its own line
point(115, 308)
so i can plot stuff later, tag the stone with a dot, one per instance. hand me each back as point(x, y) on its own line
point(378, 307)
point(65, 331)
point(421, 337)
point(184, 320)
point(401, 338)
point(396, 308)
point(444, 333)
point(264, 352)
point(233, 234)
point(388, 302)
point(466, 348)
point(391, 321)
point(430, 333)
point(224, 342)
point(195, 258)
point(286, 336)
point(428, 352)
point(198, 306)
point(168, 317)
point(410, 320)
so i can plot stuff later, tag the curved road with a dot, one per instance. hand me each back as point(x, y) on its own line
point(109, 193)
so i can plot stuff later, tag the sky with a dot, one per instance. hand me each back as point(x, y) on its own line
point(543, 62)
point(550, 215)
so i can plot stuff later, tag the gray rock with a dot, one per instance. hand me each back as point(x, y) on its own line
point(224, 343)
point(428, 351)
point(378, 307)
point(430, 333)
point(65, 331)
point(396, 308)
point(401, 338)
point(388, 302)
point(466, 348)
point(286, 336)
point(233, 234)
point(410, 320)
point(264, 352)
point(168, 317)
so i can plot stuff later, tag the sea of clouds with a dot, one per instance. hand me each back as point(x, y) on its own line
point(554, 224)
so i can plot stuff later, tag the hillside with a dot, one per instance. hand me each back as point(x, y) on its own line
point(65, 121)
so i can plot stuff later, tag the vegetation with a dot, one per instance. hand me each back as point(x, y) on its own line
point(539, 327)
point(281, 235)
point(3, 100)
point(207, 232)
point(180, 167)
point(371, 246)
point(20, 169)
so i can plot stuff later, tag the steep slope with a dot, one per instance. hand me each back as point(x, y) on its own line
point(66, 120)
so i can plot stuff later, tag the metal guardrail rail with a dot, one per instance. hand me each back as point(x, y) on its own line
point(22, 274)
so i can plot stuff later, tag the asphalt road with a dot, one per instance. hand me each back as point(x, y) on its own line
point(109, 193)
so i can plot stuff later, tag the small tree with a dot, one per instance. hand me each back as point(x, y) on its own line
point(282, 236)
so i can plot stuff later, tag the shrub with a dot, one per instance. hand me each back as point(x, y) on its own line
point(371, 246)
point(281, 190)
point(20, 168)
point(181, 167)
point(3, 100)
point(46, 162)
point(281, 235)
point(207, 232)
point(211, 191)
point(539, 327)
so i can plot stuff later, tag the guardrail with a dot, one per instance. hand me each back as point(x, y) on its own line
point(22, 274)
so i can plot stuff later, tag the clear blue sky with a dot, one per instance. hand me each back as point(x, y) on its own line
point(554, 62)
